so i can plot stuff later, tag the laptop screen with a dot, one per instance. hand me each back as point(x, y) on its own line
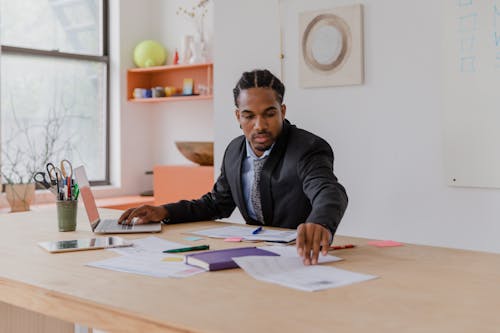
point(86, 194)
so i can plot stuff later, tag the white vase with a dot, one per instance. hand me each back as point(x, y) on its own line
point(186, 49)
point(197, 50)
point(20, 196)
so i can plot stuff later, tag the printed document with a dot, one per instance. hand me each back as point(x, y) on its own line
point(291, 252)
point(145, 257)
point(290, 272)
point(148, 265)
point(247, 234)
point(148, 246)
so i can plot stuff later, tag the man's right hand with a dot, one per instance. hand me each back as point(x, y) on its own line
point(143, 214)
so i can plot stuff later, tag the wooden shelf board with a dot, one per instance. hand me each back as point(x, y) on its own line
point(169, 67)
point(170, 99)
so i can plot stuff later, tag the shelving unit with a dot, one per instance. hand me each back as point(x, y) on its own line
point(173, 182)
point(171, 75)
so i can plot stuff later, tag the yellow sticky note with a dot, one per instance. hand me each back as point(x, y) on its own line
point(173, 259)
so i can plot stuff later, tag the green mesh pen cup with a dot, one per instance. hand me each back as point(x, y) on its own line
point(66, 214)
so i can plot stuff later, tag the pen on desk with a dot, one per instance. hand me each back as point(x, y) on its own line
point(256, 231)
point(187, 249)
point(340, 247)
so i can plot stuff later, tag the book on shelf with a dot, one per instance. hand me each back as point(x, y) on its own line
point(223, 259)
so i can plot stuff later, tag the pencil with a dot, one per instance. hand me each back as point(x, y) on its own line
point(341, 247)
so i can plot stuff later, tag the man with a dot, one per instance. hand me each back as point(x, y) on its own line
point(276, 174)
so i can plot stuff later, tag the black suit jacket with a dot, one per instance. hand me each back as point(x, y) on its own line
point(297, 185)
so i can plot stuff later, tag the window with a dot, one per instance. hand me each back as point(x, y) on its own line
point(54, 86)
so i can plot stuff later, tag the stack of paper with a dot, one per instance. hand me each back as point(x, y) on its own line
point(247, 233)
point(145, 257)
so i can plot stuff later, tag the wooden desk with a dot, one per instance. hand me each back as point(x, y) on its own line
point(420, 289)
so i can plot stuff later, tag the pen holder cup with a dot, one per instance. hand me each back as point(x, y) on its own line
point(66, 214)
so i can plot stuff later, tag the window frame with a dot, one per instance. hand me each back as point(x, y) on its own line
point(104, 58)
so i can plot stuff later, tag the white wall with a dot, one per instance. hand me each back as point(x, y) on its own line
point(386, 133)
point(130, 123)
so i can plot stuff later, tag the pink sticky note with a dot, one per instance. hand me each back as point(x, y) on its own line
point(233, 239)
point(385, 243)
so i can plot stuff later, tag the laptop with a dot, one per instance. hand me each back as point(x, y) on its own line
point(106, 226)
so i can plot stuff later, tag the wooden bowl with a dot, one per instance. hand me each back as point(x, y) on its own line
point(199, 152)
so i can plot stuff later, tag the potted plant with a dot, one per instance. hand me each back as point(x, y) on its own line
point(28, 150)
point(19, 187)
point(19, 196)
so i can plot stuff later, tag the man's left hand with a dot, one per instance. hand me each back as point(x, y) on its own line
point(310, 237)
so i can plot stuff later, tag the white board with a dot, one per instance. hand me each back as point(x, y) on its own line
point(471, 92)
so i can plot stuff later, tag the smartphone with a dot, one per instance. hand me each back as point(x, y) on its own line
point(84, 244)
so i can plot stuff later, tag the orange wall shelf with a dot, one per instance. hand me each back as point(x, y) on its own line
point(171, 75)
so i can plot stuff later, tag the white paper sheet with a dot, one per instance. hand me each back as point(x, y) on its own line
point(145, 257)
point(289, 272)
point(246, 233)
point(291, 252)
point(150, 265)
point(274, 236)
point(148, 246)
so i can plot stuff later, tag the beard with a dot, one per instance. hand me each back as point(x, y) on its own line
point(259, 144)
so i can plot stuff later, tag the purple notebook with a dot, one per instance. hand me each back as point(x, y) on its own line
point(222, 259)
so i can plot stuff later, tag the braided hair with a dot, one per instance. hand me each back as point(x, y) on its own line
point(259, 78)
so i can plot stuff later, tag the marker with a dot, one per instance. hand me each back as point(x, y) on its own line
point(58, 186)
point(68, 182)
point(341, 247)
point(256, 231)
point(187, 249)
point(76, 191)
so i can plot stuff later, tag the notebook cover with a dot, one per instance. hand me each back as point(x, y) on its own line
point(222, 259)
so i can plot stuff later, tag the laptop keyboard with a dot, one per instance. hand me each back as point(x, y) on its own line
point(127, 226)
point(112, 225)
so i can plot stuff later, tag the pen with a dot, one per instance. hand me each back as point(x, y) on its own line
point(58, 188)
point(68, 182)
point(187, 249)
point(340, 247)
point(256, 231)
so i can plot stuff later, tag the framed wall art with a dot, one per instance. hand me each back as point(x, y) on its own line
point(331, 46)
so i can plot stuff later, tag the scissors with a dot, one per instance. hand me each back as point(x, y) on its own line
point(41, 179)
point(66, 168)
point(55, 174)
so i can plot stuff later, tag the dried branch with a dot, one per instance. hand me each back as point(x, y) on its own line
point(25, 154)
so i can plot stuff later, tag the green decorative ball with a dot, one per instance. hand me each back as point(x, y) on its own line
point(149, 53)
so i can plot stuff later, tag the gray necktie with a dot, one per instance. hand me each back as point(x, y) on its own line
point(255, 194)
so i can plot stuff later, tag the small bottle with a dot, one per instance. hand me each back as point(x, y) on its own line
point(176, 57)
